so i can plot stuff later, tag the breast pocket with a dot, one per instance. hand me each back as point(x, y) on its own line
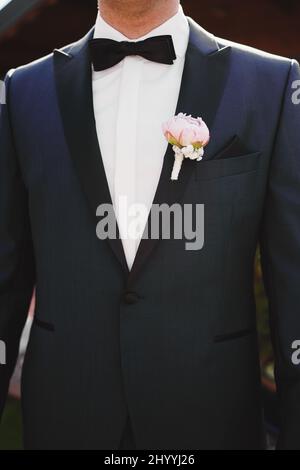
point(221, 168)
point(226, 181)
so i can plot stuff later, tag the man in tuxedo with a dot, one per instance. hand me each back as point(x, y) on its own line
point(141, 343)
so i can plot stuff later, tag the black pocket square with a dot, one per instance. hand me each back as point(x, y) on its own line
point(235, 148)
point(42, 324)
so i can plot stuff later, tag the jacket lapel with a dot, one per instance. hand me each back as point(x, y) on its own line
point(203, 82)
point(73, 75)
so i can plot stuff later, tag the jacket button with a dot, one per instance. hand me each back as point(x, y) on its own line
point(130, 298)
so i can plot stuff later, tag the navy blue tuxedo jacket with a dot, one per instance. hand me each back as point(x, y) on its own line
point(171, 344)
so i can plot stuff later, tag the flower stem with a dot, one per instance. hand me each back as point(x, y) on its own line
point(177, 166)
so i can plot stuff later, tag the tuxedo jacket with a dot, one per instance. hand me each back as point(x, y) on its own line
point(172, 344)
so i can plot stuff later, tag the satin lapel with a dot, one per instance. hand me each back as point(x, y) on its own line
point(73, 77)
point(202, 86)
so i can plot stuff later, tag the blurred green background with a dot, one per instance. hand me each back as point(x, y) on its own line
point(11, 427)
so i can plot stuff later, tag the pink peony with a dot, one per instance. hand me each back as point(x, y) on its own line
point(183, 130)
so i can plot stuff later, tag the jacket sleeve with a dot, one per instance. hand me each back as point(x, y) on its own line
point(280, 249)
point(17, 273)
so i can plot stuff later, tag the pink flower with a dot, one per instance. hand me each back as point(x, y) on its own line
point(183, 130)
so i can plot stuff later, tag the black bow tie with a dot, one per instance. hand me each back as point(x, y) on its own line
point(106, 53)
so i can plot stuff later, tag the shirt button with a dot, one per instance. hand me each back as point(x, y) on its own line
point(131, 298)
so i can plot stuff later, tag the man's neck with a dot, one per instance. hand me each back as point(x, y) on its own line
point(136, 18)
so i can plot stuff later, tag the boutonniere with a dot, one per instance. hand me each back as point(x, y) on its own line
point(188, 136)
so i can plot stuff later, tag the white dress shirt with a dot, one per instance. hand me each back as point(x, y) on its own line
point(131, 101)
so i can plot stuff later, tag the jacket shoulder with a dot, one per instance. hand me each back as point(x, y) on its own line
point(44, 65)
point(252, 56)
point(38, 66)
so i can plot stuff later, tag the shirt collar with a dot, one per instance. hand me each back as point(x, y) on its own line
point(177, 27)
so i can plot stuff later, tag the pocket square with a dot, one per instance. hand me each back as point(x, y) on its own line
point(235, 148)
